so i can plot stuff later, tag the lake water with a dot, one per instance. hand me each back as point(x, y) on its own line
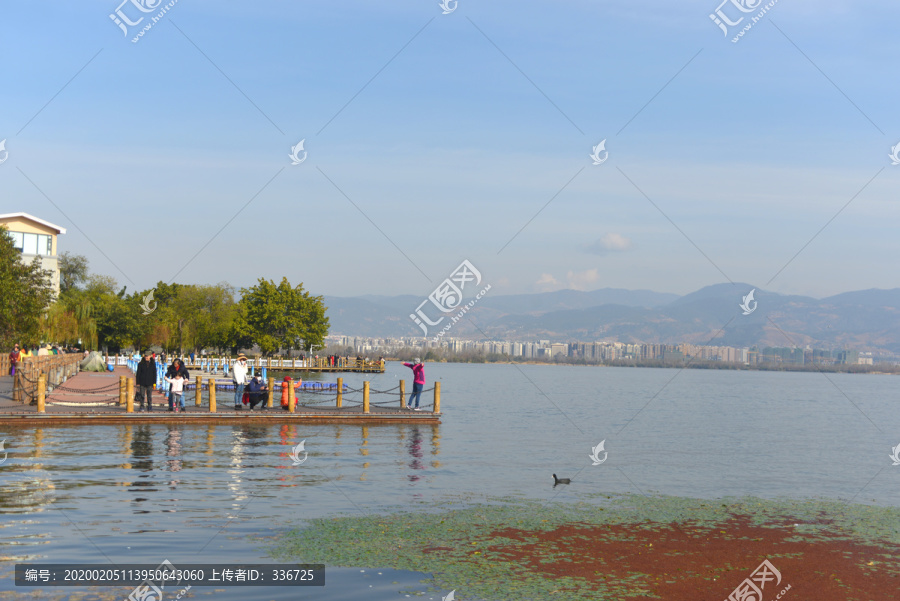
point(142, 494)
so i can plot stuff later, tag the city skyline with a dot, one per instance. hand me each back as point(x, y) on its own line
point(430, 138)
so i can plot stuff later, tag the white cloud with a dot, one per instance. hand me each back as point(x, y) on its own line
point(584, 280)
point(547, 283)
point(610, 242)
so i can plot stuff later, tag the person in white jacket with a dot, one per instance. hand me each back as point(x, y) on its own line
point(239, 377)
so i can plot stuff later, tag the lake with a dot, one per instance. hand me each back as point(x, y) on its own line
point(142, 494)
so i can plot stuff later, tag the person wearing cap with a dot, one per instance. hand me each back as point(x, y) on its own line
point(418, 382)
point(239, 377)
point(257, 388)
point(145, 378)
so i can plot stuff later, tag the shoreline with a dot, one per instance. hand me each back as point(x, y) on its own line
point(829, 369)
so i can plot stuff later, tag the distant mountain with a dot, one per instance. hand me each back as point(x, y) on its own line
point(384, 316)
point(712, 315)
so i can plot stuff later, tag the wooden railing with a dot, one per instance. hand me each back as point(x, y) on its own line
point(56, 368)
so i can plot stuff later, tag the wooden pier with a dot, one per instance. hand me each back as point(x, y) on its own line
point(108, 398)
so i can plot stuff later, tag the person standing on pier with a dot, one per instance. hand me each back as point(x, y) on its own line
point(13, 359)
point(145, 379)
point(418, 382)
point(177, 368)
point(239, 377)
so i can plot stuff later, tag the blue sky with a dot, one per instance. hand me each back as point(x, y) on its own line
point(746, 149)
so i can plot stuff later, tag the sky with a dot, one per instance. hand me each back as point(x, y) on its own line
point(432, 138)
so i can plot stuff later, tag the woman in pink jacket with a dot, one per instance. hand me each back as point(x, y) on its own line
point(418, 382)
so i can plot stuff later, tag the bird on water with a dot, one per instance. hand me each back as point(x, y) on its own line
point(560, 480)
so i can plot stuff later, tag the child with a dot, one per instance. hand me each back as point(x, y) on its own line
point(177, 391)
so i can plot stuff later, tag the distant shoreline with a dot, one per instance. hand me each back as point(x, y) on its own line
point(849, 369)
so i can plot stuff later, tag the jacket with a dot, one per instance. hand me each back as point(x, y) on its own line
point(170, 372)
point(255, 386)
point(146, 373)
point(239, 373)
point(418, 372)
point(177, 385)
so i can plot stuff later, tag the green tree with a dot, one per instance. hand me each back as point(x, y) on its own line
point(73, 271)
point(277, 317)
point(25, 294)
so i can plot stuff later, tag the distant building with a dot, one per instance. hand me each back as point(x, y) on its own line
point(35, 238)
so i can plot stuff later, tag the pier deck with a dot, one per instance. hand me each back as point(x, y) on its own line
point(92, 398)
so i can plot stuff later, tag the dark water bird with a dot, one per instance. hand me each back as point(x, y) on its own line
point(560, 480)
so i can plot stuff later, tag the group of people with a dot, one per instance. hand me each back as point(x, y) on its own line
point(20, 354)
point(176, 375)
point(255, 387)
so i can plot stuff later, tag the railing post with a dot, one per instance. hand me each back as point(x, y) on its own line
point(365, 397)
point(212, 395)
point(292, 401)
point(270, 383)
point(340, 392)
point(402, 394)
point(122, 390)
point(129, 395)
point(437, 397)
point(198, 394)
point(41, 392)
point(17, 384)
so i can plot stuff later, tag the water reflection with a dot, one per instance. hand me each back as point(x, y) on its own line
point(173, 451)
point(141, 461)
point(415, 451)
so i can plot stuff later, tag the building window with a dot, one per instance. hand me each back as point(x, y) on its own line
point(33, 244)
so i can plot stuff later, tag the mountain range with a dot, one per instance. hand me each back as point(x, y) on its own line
point(863, 320)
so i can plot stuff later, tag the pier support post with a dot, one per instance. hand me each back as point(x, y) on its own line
point(212, 395)
point(198, 394)
point(41, 392)
point(123, 392)
point(340, 392)
point(129, 395)
point(365, 397)
point(402, 394)
point(292, 399)
point(271, 386)
point(17, 384)
point(437, 397)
